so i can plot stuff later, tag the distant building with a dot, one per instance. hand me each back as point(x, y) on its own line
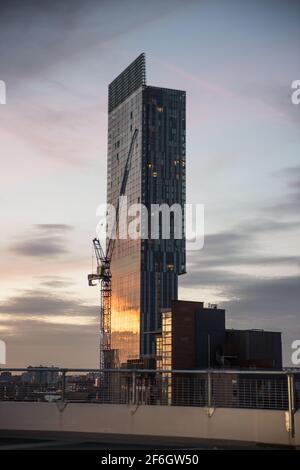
point(5, 376)
point(253, 349)
point(195, 337)
point(49, 376)
point(192, 336)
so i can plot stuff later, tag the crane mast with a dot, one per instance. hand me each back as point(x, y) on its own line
point(103, 274)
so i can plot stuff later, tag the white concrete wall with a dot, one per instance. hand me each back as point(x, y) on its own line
point(260, 426)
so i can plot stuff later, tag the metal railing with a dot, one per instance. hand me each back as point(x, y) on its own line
point(274, 390)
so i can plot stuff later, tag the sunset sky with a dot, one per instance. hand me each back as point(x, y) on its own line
point(236, 60)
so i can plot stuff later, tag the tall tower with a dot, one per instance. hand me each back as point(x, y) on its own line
point(145, 271)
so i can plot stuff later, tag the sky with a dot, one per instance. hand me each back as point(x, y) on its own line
point(236, 60)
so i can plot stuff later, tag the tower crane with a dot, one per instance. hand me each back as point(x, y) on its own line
point(103, 274)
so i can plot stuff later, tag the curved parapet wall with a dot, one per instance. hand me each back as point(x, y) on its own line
point(149, 423)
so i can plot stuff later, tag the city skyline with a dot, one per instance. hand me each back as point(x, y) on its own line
point(237, 67)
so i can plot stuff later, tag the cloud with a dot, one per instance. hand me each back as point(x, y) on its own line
point(53, 344)
point(269, 304)
point(57, 58)
point(238, 246)
point(290, 172)
point(271, 301)
point(54, 227)
point(291, 203)
point(42, 302)
point(40, 327)
point(44, 327)
point(64, 344)
point(290, 206)
point(39, 247)
point(58, 31)
point(49, 241)
point(55, 282)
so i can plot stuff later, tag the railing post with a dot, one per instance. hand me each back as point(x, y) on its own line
point(63, 385)
point(209, 390)
point(291, 403)
point(133, 395)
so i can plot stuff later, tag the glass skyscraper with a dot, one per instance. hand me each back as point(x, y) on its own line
point(145, 271)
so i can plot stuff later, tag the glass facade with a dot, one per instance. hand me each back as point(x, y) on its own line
point(164, 343)
point(126, 261)
point(164, 355)
point(144, 272)
point(163, 182)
